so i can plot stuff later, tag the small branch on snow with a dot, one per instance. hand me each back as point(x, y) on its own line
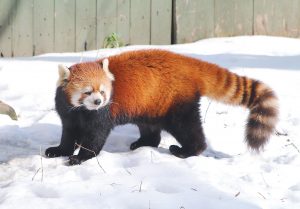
point(237, 194)
point(80, 146)
point(261, 195)
point(114, 184)
point(40, 168)
point(128, 171)
point(278, 133)
point(263, 178)
point(206, 111)
point(221, 112)
point(283, 199)
point(293, 145)
point(141, 186)
point(42, 164)
point(35, 174)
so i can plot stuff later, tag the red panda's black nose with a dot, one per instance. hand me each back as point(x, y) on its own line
point(97, 101)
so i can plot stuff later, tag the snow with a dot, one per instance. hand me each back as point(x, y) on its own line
point(226, 175)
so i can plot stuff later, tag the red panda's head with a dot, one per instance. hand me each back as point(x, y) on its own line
point(87, 84)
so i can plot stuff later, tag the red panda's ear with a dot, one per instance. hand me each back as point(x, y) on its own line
point(105, 64)
point(64, 74)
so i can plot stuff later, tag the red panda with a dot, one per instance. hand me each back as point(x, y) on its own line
point(156, 90)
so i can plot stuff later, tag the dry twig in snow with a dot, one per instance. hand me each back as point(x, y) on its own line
point(80, 146)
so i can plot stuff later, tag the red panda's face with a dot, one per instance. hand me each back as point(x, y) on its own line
point(90, 96)
point(88, 85)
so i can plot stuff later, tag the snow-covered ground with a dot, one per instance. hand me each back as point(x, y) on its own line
point(226, 175)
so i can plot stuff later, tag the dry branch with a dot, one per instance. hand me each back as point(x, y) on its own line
point(80, 146)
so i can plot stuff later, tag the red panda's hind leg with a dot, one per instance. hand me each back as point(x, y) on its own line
point(150, 136)
point(185, 125)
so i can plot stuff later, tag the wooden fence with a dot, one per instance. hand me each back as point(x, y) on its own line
point(198, 19)
point(31, 27)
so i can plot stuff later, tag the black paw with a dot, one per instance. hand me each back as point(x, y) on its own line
point(179, 152)
point(75, 160)
point(57, 152)
point(135, 145)
point(53, 152)
point(143, 143)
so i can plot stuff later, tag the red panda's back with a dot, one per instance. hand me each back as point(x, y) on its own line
point(149, 82)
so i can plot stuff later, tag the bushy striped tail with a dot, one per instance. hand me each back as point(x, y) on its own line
point(263, 106)
point(260, 99)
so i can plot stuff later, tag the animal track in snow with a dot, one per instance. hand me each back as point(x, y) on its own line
point(44, 191)
point(295, 188)
point(167, 189)
point(3, 87)
point(285, 159)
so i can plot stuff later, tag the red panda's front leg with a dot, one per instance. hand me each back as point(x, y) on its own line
point(91, 145)
point(66, 147)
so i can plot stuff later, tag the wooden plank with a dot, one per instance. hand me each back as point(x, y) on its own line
point(43, 26)
point(123, 24)
point(140, 22)
point(224, 18)
point(263, 11)
point(233, 17)
point(23, 29)
point(86, 25)
point(275, 17)
point(293, 23)
point(161, 21)
point(194, 20)
point(106, 20)
point(6, 11)
point(243, 17)
point(64, 24)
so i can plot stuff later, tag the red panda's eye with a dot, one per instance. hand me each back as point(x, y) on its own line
point(102, 92)
point(88, 93)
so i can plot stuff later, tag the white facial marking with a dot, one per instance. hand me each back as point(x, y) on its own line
point(105, 64)
point(87, 89)
point(75, 99)
point(106, 93)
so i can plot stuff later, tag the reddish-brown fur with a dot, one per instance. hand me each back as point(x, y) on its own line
point(172, 78)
